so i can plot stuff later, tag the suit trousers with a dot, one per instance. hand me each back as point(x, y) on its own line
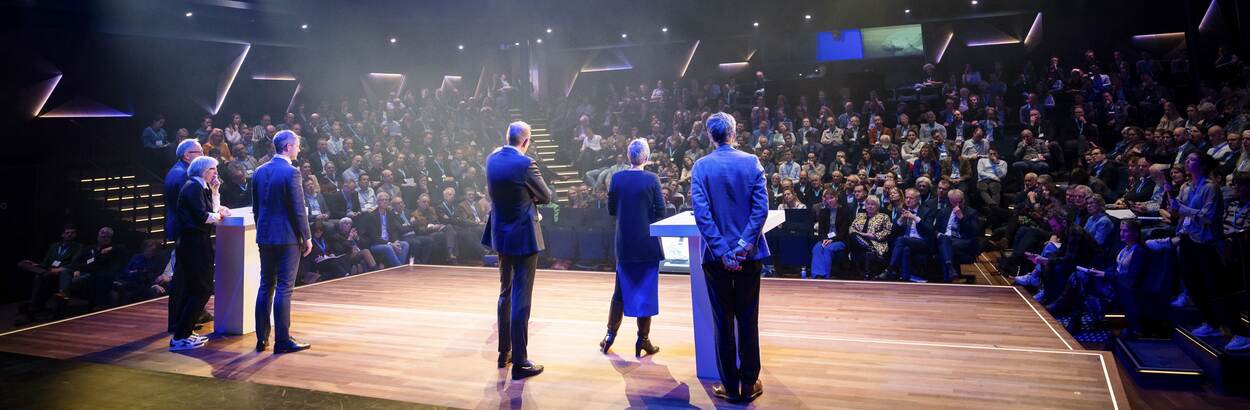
point(516, 286)
point(278, 266)
point(193, 280)
point(735, 298)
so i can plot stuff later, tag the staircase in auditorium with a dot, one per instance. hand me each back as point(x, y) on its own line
point(544, 148)
point(126, 200)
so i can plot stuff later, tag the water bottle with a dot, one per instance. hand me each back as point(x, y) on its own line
point(803, 272)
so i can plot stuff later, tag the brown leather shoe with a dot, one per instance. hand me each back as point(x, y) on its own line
point(719, 390)
point(750, 392)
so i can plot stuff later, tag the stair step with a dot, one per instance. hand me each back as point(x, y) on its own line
point(1229, 372)
point(1158, 363)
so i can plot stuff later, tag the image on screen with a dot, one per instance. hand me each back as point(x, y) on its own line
point(840, 45)
point(893, 41)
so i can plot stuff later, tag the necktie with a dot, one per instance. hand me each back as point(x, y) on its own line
point(385, 235)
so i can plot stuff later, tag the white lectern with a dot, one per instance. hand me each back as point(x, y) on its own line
point(683, 225)
point(237, 277)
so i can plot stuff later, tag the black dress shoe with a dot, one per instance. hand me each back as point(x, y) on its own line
point(724, 394)
point(751, 391)
point(606, 343)
point(261, 345)
point(291, 346)
point(527, 369)
point(505, 359)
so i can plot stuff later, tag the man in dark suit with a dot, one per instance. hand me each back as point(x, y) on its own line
point(515, 185)
point(321, 156)
point(728, 190)
point(1078, 135)
point(283, 236)
point(914, 228)
point(197, 210)
point(957, 229)
point(187, 151)
point(1113, 175)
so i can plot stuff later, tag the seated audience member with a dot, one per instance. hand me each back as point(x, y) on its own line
point(1139, 187)
point(59, 259)
point(1112, 175)
point(1098, 224)
point(1092, 289)
point(425, 222)
point(365, 193)
point(990, 173)
point(319, 209)
point(958, 228)
point(382, 232)
point(93, 274)
point(869, 232)
point(419, 246)
point(143, 276)
point(914, 227)
point(1030, 154)
point(236, 187)
point(322, 262)
point(833, 223)
point(790, 201)
point(1076, 248)
point(345, 240)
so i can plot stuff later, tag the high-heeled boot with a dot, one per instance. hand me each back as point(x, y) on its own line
point(644, 338)
point(615, 312)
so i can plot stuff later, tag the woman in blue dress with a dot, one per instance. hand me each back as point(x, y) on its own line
point(634, 199)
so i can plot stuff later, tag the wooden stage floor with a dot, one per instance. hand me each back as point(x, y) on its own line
point(425, 334)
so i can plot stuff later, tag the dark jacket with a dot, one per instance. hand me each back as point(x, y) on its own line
point(634, 199)
point(516, 186)
point(370, 227)
point(841, 220)
point(194, 204)
point(278, 204)
point(174, 179)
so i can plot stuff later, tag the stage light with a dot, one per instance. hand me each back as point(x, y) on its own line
point(460, 47)
point(393, 40)
point(548, 30)
point(189, 14)
point(303, 27)
point(755, 24)
point(516, 44)
point(906, 11)
point(663, 29)
point(624, 35)
point(807, 17)
point(539, 41)
point(974, 2)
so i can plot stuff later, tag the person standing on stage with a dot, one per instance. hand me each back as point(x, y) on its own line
point(728, 191)
point(188, 150)
point(516, 186)
point(283, 237)
point(198, 208)
point(635, 200)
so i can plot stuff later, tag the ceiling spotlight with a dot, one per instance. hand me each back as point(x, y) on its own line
point(663, 29)
point(303, 27)
point(189, 14)
point(624, 35)
point(807, 17)
point(548, 30)
point(907, 11)
point(460, 47)
point(755, 24)
point(540, 41)
point(516, 44)
point(393, 40)
point(974, 2)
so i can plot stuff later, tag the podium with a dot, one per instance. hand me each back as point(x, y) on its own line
point(683, 225)
point(237, 274)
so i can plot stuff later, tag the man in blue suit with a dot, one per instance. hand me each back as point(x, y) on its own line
point(516, 186)
point(283, 235)
point(728, 191)
point(188, 150)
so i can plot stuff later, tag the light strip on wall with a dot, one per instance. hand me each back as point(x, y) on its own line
point(689, 58)
point(942, 51)
point(1031, 39)
point(273, 77)
point(298, 86)
point(992, 42)
point(51, 84)
point(1206, 17)
point(1159, 36)
point(234, 72)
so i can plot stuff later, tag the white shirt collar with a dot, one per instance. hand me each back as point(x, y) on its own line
point(288, 159)
point(202, 182)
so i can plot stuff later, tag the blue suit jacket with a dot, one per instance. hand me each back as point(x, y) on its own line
point(728, 191)
point(174, 180)
point(516, 186)
point(278, 204)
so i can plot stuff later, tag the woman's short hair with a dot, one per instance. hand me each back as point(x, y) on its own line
point(638, 151)
point(874, 199)
point(199, 165)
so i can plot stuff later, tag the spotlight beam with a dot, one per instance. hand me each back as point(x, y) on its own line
point(234, 72)
point(689, 58)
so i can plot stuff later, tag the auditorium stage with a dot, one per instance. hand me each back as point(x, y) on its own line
point(425, 334)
